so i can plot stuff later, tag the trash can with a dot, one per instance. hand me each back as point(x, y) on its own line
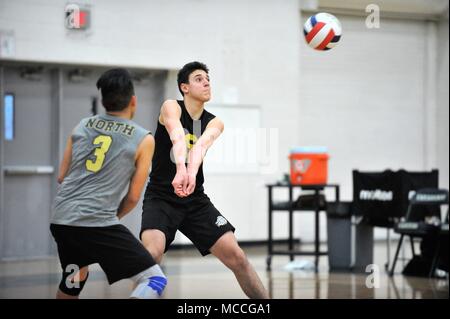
point(363, 247)
point(339, 235)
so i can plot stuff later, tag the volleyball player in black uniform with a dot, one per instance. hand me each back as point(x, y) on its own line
point(175, 198)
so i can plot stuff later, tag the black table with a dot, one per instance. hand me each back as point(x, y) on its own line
point(289, 207)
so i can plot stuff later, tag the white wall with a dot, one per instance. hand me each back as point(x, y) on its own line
point(252, 48)
point(365, 99)
point(372, 100)
point(442, 129)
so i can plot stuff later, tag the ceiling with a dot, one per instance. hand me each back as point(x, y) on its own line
point(415, 9)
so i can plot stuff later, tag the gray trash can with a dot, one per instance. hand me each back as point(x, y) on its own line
point(339, 235)
point(363, 246)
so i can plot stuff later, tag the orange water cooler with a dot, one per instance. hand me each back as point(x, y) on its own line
point(309, 165)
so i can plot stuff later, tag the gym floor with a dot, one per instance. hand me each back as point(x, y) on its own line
point(193, 277)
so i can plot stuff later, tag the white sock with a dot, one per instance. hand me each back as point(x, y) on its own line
point(150, 283)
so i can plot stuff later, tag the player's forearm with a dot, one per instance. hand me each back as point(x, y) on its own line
point(197, 154)
point(198, 151)
point(179, 145)
point(66, 161)
point(61, 178)
point(62, 172)
point(126, 205)
point(180, 153)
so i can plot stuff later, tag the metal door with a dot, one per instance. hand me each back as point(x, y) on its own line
point(28, 170)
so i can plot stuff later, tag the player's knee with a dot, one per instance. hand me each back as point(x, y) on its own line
point(150, 283)
point(154, 241)
point(82, 274)
point(237, 260)
point(156, 252)
point(72, 287)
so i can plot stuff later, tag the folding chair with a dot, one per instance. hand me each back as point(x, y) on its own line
point(441, 249)
point(415, 224)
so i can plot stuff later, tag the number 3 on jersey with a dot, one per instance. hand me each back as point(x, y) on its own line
point(104, 142)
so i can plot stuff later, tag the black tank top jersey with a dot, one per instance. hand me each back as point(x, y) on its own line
point(163, 166)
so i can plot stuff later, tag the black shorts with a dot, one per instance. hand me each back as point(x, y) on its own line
point(118, 252)
point(195, 216)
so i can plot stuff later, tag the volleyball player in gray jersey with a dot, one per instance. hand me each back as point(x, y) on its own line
point(104, 155)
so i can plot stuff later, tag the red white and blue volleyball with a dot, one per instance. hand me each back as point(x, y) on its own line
point(322, 31)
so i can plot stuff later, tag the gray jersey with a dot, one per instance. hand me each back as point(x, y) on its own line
point(103, 161)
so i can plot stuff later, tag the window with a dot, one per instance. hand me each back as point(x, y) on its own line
point(9, 116)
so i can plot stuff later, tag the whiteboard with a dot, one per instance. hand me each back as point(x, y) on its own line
point(236, 150)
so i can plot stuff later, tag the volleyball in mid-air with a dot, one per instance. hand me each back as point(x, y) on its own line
point(322, 31)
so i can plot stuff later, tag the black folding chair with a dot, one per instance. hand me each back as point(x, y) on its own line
point(442, 246)
point(415, 224)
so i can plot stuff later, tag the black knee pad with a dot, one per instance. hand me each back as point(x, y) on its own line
point(70, 287)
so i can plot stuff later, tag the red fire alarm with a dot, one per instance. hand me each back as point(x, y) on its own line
point(76, 17)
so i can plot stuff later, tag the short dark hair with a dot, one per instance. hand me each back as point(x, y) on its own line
point(186, 70)
point(117, 89)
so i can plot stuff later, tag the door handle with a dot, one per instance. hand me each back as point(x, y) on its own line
point(28, 170)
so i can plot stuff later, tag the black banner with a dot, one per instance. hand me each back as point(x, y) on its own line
point(383, 197)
